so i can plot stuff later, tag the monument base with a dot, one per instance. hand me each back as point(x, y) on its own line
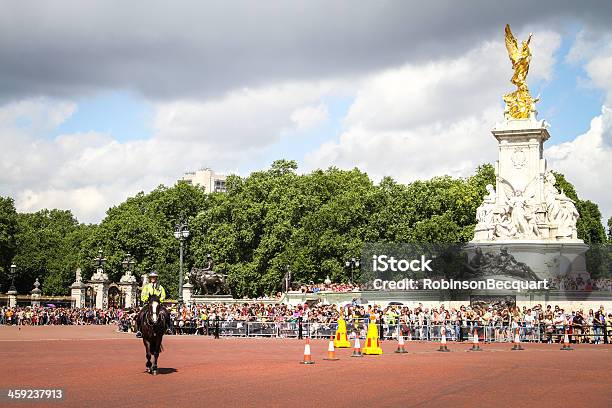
point(548, 260)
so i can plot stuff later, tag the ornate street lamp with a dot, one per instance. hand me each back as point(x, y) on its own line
point(128, 263)
point(13, 272)
point(352, 264)
point(181, 233)
point(100, 260)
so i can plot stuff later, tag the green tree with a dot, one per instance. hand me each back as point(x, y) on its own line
point(42, 250)
point(143, 226)
point(8, 228)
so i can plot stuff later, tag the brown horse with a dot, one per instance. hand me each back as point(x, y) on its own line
point(154, 323)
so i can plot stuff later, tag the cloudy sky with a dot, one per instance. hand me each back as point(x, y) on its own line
point(101, 100)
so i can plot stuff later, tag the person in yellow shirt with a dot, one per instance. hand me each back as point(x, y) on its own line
point(151, 288)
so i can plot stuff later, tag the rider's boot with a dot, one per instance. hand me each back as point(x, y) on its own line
point(168, 327)
point(138, 332)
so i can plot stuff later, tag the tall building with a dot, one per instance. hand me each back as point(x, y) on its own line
point(211, 181)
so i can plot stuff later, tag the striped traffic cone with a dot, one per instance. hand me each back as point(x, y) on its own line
point(517, 342)
point(443, 342)
point(401, 348)
point(357, 348)
point(331, 352)
point(566, 343)
point(307, 357)
point(475, 345)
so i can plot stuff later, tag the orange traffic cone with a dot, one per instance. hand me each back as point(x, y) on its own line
point(307, 356)
point(475, 346)
point(357, 348)
point(401, 348)
point(517, 342)
point(443, 342)
point(331, 352)
point(566, 342)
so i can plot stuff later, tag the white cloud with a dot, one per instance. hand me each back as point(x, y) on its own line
point(247, 117)
point(424, 120)
point(89, 172)
point(36, 115)
point(587, 162)
point(594, 49)
point(309, 117)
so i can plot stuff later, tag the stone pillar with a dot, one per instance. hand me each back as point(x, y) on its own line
point(99, 281)
point(35, 294)
point(77, 291)
point(12, 297)
point(187, 293)
point(129, 288)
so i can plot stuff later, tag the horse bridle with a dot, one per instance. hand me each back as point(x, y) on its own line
point(148, 317)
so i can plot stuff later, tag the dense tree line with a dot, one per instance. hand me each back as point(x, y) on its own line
point(266, 222)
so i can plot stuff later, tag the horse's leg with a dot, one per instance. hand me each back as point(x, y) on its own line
point(148, 351)
point(156, 355)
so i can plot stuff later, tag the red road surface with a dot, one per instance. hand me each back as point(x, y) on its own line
point(98, 367)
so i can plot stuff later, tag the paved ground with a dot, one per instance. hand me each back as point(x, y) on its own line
point(98, 367)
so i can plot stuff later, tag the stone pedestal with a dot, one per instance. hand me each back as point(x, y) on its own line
point(35, 294)
point(99, 281)
point(521, 161)
point(187, 293)
point(12, 298)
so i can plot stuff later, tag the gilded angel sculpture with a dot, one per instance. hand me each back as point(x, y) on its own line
point(519, 103)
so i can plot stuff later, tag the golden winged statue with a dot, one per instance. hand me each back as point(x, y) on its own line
point(519, 104)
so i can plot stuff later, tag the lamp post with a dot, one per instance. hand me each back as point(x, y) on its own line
point(181, 233)
point(352, 264)
point(13, 272)
point(287, 282)
point(128, 263)
point(12, 292)
point(100, 260)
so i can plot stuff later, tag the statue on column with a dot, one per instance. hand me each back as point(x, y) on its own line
point(519, 104)
point(484, 213)
point(567, 218)
point(485, 216)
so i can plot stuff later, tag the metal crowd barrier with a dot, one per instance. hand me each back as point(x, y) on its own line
point(390, 330)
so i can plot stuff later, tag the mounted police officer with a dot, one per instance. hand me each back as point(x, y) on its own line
point(151, 288)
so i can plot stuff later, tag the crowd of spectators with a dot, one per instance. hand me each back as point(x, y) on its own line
point(499, 321)
point(44, 315)
point(331, 287)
